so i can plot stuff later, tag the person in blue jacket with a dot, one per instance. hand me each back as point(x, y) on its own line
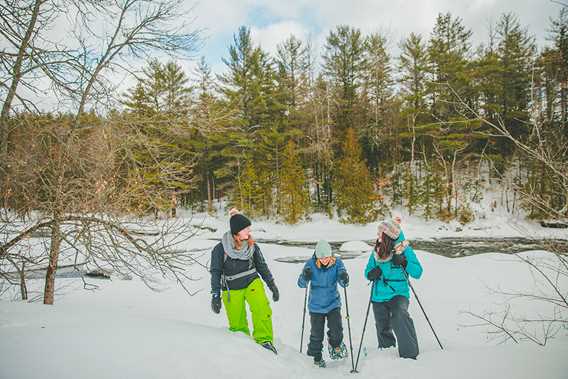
point(390, 262)
point(324, 271)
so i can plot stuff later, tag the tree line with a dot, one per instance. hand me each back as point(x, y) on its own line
point(281, 136)
point(355, 130)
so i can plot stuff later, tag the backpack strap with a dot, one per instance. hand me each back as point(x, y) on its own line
point(228, 278)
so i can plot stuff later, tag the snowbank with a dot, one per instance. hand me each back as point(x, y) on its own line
point(355, 246)
point(124, 330)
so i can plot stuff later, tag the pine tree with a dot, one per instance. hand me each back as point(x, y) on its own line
point(136, 100)
point(250, 89)
point(294, 194)
point(377, 96)
point(416, 131)
point(293, 61)
point(164, 88)
point(245, 194)
point(452, 96)
point(343, 65)
point(413, 68)
point(212, 124)
point(177, 90)
point(559, 37)
point(355, 190)
point(515, 51)
point(319, 150)
point(163, 152)
point(449, 51)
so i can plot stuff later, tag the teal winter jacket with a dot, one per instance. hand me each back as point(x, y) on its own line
point(393, 281)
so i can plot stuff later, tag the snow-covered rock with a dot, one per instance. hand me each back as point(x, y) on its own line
point(355, 246)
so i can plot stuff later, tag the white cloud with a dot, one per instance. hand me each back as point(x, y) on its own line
point(270, 36)
point(272, 21)
point(220, 16)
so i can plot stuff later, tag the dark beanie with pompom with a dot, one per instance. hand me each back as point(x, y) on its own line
point(238, 221)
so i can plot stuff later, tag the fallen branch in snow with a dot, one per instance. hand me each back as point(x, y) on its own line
point(109, 245)
point(498, 326)
point(549, 289)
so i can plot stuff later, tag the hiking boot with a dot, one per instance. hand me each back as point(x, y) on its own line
point(386, 346)
point(338, 352)
point(319, 363)
point(269, 346)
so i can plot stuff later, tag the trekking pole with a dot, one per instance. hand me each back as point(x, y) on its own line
point(304, 316)
point(364, 326)
point(349, 328)
point(422, 308)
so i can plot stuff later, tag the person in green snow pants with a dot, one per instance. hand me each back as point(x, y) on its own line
point(237, 264)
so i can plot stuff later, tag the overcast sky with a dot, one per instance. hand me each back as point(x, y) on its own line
point(273, 21)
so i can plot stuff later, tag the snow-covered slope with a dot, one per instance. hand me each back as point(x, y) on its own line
point(124, 330)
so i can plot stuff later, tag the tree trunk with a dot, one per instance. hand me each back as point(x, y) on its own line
point(209, 195)
point(16, 77)
point(173, 205)
point(23, 287)
point(318, 181)
point(49, 292)
point(564, 103)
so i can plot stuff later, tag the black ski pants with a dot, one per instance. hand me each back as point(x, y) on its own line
point(334, 331)
point(392, 316)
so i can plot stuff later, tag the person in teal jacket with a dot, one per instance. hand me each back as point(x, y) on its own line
point(391, 261)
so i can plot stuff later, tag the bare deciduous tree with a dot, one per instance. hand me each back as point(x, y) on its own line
point(136, 30)
point(550, 275)
point(70, 171)
point(75, 180)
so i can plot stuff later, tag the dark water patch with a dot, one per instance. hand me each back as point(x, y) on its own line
point(554, 224)
point(303, 258)
point(66, 271)
point(447, 247)
point(461, 247)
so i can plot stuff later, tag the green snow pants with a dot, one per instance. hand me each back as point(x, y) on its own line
point(259, 307)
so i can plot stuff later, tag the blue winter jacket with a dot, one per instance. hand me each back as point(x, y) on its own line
point(393, 281)
point(324, 296)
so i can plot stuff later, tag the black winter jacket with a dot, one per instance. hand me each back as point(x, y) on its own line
point(229, 266)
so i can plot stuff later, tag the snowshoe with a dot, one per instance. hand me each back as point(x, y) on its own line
point(338, 352)
point(269, 346)
point(319, 363)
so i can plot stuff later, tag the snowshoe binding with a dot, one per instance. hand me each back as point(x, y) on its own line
point(319, 363)
point(338, 352)
point(269, 346)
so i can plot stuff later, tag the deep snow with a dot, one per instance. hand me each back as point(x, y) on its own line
point(124, 330)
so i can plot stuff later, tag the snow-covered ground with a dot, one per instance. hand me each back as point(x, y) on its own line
point(125, 330)
point(488, 224)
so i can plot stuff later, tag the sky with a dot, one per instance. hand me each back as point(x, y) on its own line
point(271, 22)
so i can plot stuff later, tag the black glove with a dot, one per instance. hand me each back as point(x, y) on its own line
point(216, 303)
point(274, 290)
point(399, 260)
point(307, 274)
point(374, 274)
point(344, 277)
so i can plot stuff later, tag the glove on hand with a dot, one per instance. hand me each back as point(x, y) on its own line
point(374, 274)
point(307, 274)
point(344, 277)
point(399, 260)
point(274, 290)
point(216, 303)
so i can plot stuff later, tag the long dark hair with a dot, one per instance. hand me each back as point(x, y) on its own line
point(384, 247)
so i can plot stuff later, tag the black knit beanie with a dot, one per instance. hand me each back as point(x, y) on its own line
point(238, 222)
